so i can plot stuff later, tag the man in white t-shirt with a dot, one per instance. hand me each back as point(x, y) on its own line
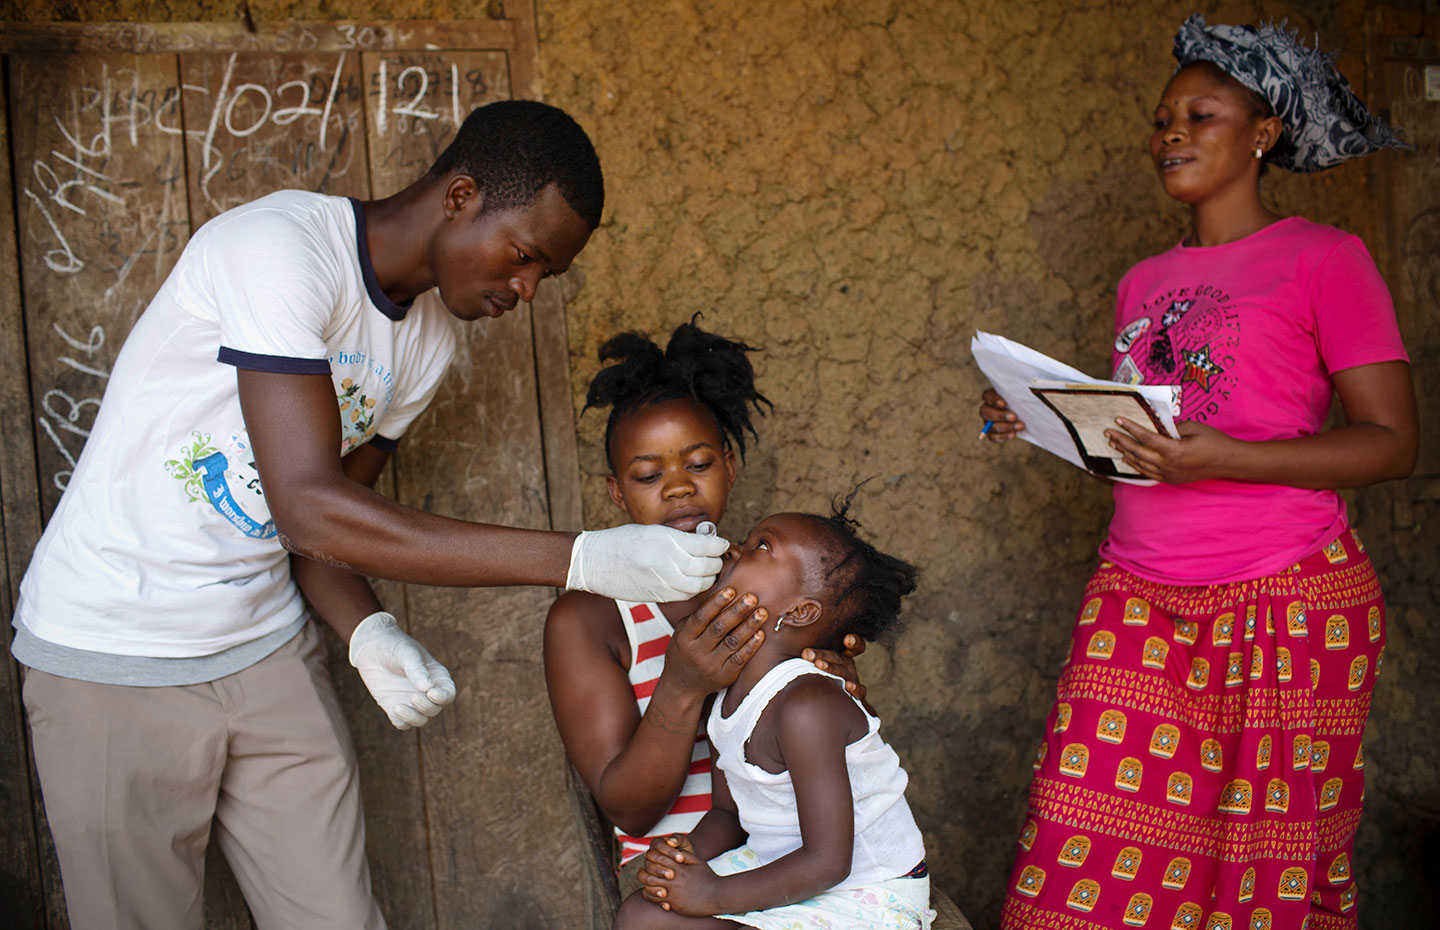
point(173, 679)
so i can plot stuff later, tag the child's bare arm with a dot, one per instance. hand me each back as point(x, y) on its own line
point(720, 828)
point(816, 722)
point(635, 766)
point(716, 832)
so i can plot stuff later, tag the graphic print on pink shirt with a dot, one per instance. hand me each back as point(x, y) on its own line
point(1188, 336)
point(1251, 330)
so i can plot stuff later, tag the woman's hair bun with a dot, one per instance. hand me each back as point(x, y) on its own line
point(695, 364)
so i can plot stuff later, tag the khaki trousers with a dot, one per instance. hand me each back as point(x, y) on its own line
point(133, 779)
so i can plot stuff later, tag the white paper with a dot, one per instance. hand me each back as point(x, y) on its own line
point(1011, 367)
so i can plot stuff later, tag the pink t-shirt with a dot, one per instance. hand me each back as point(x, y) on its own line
point(1251, 330)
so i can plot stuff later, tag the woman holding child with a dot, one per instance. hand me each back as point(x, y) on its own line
point(1202, 764)
point(809, 827)
point(629, 697)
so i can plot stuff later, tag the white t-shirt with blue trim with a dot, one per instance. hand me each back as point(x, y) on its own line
point(162, 544)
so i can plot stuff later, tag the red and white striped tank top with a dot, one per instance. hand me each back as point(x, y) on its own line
point(649, 633)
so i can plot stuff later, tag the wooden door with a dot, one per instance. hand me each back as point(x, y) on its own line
point(120, 140)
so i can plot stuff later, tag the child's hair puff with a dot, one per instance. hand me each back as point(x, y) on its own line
point(695, 364)
point(864, 584)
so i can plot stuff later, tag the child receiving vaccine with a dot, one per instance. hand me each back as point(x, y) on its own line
point(809, 826)
point(628, 696)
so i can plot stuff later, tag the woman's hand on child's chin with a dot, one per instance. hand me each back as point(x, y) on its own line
point(712, 645)
point(675, 878)
point(841, 663)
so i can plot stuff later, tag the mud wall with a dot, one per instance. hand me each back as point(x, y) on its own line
point(856, 186)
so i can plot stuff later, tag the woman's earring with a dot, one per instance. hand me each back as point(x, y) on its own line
point(1259, 152)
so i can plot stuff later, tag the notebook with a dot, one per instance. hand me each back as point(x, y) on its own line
point(1066, 411)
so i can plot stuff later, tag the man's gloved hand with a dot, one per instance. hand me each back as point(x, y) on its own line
point(403, 677)
point(644, 563)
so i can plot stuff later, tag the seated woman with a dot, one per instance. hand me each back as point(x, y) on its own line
point(809, 826)
point(628, 699)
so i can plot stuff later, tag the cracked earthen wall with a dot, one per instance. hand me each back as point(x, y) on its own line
point(856, 186)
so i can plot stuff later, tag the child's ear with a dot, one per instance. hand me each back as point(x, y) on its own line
point(612, 484)
point(804, 613)
point(729, 459)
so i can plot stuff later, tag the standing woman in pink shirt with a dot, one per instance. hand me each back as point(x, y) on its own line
point(1202, 766)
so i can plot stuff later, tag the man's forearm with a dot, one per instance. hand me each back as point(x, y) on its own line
point(341, 598)
point(350, 527)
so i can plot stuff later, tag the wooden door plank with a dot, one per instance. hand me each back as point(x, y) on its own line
point(21, 503)
point(102, 218)
point(263, 122)
point(557, 407)
point(525, 57)
point(1409, 188)
point(552, 344)
point(562, 475)
point(336, 36)
point(415, 101)
point(260, 122)
point(412, 102)
point(21, 905)
point(494, 774)
point(391, 788)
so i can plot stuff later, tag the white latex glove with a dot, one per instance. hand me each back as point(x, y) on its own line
point(644, 563)
point(403, 677)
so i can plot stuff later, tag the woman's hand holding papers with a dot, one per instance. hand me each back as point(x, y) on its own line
point(1200, 452)
point(1377, 442)
point(995, 411)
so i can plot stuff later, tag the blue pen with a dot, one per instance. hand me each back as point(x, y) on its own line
point(986, 428)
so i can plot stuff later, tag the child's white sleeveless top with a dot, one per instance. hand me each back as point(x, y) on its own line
point(888, 844)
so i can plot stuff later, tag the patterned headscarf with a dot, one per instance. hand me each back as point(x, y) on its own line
point(1325, 123)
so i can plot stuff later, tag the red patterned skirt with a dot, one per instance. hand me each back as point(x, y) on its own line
point(1202, 764)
